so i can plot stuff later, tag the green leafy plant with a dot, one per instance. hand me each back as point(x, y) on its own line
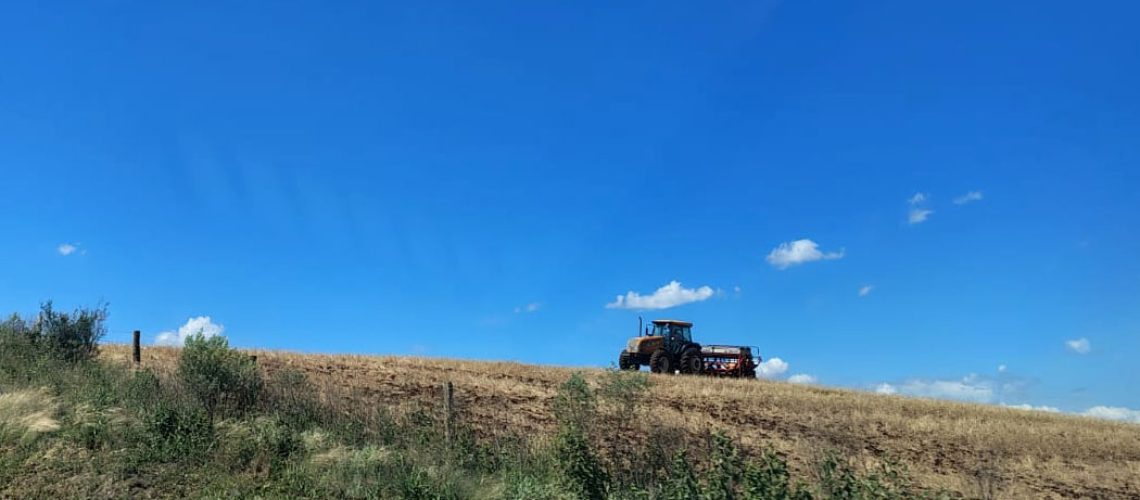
point(579, 464)
point(221, 379)
point(681, 483)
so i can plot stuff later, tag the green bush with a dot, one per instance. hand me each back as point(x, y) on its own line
point(225, 382)
point(174, 432)
point(69, 337)
point(580, 468)
point(838, 479)
point(725, 470)
point(575, 408)
point(768, 478)
point(681, 483)
point(575, 404)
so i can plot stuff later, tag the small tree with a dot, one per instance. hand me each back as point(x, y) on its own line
point(70, 337)
point(220, 378)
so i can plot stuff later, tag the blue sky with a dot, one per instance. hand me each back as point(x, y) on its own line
point(481, 181)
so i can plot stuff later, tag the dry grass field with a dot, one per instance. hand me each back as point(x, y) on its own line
point(965, 448)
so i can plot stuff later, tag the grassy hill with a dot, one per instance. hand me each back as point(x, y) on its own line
point(967, 449)
point(208, 421)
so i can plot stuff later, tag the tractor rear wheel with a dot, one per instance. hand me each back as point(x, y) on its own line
point(659, 362)
point(626, 362)
point(691, 361)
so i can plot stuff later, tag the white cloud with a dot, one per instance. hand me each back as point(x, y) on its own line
point(201, 324)
point(1049, 409)
point(1113, 413)
point(67, 249)
point(1002, 368)
point(1079, 346)
point(972, 196)
point(866, 290)
point(529, 308)
point(798, 252)
point(916, 199)
point(918, 215)
point(802, 378)
point(670, 295)
point(969, 388)
point(771, 368)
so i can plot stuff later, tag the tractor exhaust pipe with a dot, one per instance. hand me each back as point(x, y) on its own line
point(639, 326)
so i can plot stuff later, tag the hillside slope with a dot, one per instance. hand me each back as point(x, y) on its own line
point(964, 448)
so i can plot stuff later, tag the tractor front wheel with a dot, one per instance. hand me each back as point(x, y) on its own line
point(691, 361)
point(659, 362)
point(626, 362)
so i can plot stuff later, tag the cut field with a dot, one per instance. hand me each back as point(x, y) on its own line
point(964, 448)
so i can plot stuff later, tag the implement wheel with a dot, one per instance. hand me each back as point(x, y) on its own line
point(659, 362)
point(626, 362)
point(691, 361)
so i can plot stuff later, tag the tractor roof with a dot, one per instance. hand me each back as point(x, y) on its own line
point(671, 322)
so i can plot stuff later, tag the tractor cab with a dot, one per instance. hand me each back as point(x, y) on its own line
point(672, 330)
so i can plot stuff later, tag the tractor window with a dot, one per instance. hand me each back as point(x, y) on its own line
point(686, 333)
point(659, 330)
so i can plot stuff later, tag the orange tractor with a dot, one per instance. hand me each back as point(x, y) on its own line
point(668, 347)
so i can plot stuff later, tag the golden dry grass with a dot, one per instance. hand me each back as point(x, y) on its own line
point(947, 445)
point(24, 415)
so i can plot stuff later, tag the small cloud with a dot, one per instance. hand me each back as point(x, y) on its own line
point(736, 290)
point(1079, 346)
point(670, 295)
point(1001, 368)
point(529, 308)
point(799, 252)
point(917, 198)
point(67, 249)
point(918, 215)
point(802, 378)
point(1113, 413)
point(970, 197)
point(866, 290)
point(969, 388)
point(201, 324)
point(771, 368)
point(1049, 409)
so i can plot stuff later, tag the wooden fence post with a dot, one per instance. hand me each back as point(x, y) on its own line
point(448, 409)
point(136, 349)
